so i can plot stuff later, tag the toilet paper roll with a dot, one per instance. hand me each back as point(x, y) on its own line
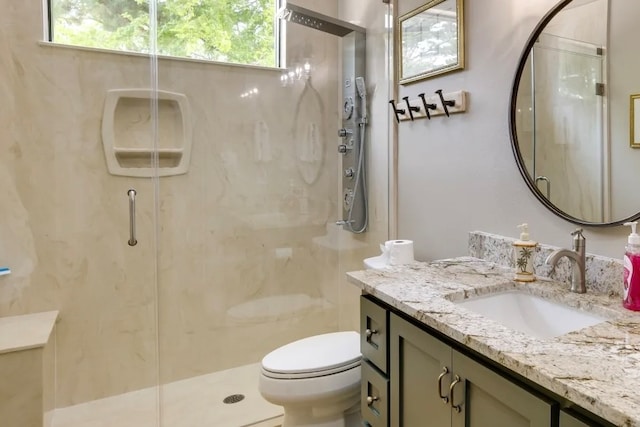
point(398, 252)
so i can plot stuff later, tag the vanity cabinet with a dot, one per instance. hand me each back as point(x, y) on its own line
point(430, 380)
point(374, 326)
point(421, 380)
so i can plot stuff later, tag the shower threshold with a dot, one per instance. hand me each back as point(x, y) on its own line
point(193, 402)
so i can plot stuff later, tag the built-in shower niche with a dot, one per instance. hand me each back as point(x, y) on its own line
point(128, 132)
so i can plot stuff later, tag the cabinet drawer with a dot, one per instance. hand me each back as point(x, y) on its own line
point(374, 397)
point(373, 333)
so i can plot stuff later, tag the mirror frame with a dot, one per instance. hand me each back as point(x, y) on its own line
point(459, 65)
point(515, 146)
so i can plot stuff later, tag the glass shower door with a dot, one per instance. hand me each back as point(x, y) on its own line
point(239, 271)
point(568, 138)
point(66, 220)
point(250, 256)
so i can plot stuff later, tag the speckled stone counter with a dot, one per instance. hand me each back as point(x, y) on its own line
point(598, 367)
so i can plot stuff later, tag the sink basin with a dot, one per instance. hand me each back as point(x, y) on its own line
point(530, 314)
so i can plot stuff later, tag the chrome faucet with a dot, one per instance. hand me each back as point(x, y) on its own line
point(578, 256)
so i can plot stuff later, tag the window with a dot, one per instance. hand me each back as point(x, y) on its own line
point(238, 31)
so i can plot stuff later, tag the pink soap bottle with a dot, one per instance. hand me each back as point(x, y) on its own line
point(632, 270)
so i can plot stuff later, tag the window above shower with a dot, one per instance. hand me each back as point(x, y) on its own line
point(233, 31)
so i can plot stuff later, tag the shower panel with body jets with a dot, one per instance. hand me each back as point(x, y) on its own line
point(354, 111)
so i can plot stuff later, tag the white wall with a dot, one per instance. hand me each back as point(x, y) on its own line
point(624, 80)
point(458, 174)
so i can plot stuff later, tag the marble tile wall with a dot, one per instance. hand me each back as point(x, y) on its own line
point(603, 274)
point(62, 219)
point(251, 220)
point(20, 389)
point(49, 379)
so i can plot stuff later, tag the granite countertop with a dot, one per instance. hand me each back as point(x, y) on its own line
point(598, 367)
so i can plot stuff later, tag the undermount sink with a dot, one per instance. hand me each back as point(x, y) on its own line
point(530, 314)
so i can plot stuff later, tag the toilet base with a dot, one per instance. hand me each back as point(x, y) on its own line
point(306, 418)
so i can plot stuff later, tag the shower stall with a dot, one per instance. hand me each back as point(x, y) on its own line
point(237, 237)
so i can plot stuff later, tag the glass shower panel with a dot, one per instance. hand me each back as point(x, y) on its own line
point(65, 222)
point(250, 256)
point(240, 273)
point(525, 113)
point(568, 132)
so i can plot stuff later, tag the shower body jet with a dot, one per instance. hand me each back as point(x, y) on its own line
point(354, 115)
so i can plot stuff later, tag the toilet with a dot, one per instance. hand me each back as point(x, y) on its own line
point(316, 380)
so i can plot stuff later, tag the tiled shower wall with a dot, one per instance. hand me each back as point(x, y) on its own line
point(240, 226)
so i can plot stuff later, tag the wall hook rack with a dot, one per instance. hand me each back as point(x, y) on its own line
point(410, 107)
point(397, 111)
point(427, 106)
point(445, 102)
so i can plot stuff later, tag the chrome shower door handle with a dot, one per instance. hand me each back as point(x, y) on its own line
point(132, 217)
point(546, 181)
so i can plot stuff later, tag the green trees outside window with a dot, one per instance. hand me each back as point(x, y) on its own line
point(237, 31)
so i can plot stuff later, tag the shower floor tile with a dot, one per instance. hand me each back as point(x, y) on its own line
point(193, 402)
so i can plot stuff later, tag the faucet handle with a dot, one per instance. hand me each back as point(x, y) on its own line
point(578, 239)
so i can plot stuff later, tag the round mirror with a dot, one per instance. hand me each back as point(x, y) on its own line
point(572, 111)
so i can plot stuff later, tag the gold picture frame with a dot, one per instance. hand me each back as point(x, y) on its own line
point(634, 121)
point(430, 40)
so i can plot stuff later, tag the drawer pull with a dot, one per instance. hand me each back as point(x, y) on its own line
point(369, 333)
point(445, 371)
point(371, 399)
point(456, 380)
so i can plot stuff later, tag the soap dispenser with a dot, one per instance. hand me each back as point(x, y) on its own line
point(631, 275)
point(523, 256)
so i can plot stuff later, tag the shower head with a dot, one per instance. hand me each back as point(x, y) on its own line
point(309, 18)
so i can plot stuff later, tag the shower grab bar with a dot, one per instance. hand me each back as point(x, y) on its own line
point(547, 181)
point(132, 217)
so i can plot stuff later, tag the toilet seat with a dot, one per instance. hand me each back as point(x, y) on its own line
point(315, 356)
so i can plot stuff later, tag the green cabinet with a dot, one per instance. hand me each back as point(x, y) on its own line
point(374, 325)
point(569, 420)
point(420, 377)
point(375, 396)
point(414, 378)
point(433, 384)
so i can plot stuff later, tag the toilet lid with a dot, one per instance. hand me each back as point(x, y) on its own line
point(315, 354)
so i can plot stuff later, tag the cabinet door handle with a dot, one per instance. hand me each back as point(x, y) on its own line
point(456, 380)
point(371, 399)
point(445, 371)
